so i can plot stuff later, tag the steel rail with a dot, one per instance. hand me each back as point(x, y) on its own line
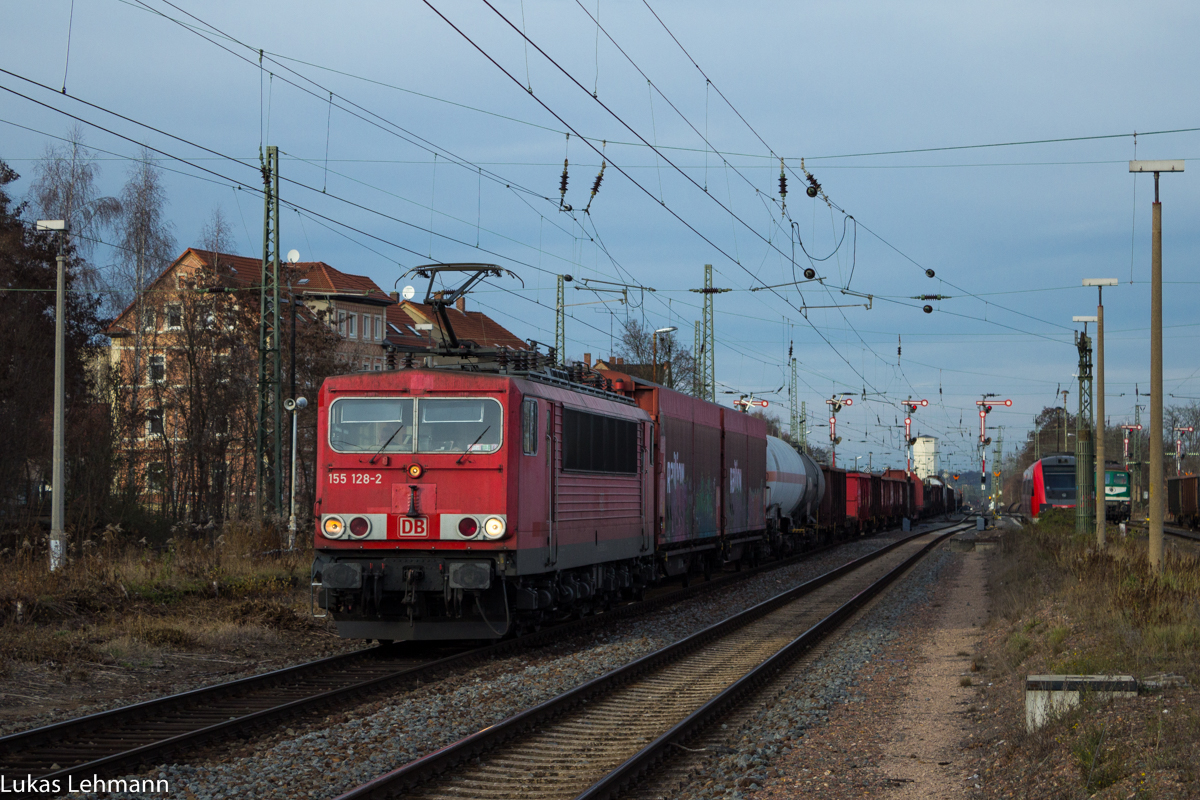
point(624, 776)
point(430, 766)
point(18, 751)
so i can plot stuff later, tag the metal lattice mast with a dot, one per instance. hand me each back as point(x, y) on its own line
point(560, 323)
point(803, 441)
point(997, 472)
point(1137, 455)
point(698, 363)
point(1084, 468)
point(708, 388)
point(269, 454)
point(795, 421)
point(710, 365)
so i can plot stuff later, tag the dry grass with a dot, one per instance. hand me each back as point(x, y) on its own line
point(124, 602)
point(1060, 606)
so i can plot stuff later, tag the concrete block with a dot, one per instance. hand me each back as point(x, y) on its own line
point(1048, 696)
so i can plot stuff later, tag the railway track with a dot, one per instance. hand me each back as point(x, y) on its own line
point(599, 738)
point(1170, 530)
point(118, 741)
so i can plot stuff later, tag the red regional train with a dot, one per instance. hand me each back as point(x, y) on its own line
point(1048, 483)
point(497, 492)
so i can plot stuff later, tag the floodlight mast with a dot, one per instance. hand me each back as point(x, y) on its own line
point(58, 491)
point(1155, 547)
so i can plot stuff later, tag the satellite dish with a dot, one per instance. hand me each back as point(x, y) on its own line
point(293, 256)
point(409, 293)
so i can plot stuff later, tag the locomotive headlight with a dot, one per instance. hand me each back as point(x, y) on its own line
point(415, 471)
point(468, 527)
point(334, 527)
point(493, 528)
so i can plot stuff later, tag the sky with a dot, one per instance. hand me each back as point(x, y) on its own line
point(414, 132)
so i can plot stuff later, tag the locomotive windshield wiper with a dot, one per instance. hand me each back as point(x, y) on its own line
point(385, 444)
point(477, 438)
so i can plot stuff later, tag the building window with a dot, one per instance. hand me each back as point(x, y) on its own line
point(156, 476)
point(174, 316)
point(154, 422)
point(378, 328)
point(352, 322)
point(148, 318)
point(341, 317)
point(158, 368)
point(529, 427)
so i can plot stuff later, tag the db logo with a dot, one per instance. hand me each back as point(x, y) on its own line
point(413, 526)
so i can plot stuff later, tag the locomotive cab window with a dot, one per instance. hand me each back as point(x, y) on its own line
point(459, 425)
point(371, 425)
point(596, 443)
point(529, 426)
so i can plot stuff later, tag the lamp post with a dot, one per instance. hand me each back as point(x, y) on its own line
point(58, 489)
point(654, 346)
point(293, 405)
point(1155, 548)
point(1101, 492)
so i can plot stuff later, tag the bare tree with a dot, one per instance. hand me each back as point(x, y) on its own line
point(64, 187)
point(27, 270)
point(146, 244)
point(677, 367)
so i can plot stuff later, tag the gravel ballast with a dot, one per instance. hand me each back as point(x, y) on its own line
point(328, 757)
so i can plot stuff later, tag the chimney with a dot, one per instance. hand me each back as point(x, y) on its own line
point(395, 296)
point(587, 360)
point(461, 304)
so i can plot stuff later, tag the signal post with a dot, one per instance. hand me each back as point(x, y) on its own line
point(835, 406)
point(985, 408)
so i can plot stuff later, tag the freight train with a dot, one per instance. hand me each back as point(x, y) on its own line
point(468, 504)
point(1050, 483)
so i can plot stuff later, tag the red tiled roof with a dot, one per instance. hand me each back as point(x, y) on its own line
point(401, 331)
point(240, 272)
point(470, 326)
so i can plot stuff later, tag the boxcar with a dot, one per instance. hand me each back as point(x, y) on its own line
point(831, 516)
point(1182, 500)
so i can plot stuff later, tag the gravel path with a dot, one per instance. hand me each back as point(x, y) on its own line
point(329, 757)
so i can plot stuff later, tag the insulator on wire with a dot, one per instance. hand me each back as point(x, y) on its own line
point(562, 186)
point(782, 187)
point(595, 186)
point(810, 273)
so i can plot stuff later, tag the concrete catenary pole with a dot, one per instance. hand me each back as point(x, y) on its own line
point(1157, 486)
